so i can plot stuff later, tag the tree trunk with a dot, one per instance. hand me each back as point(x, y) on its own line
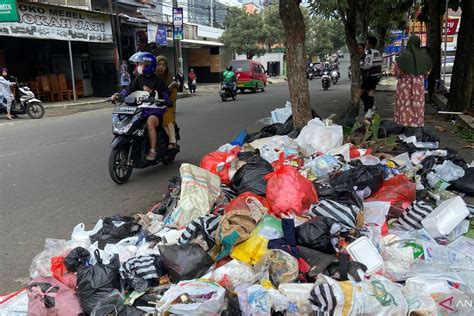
point(349, 19)
point(250, 55)
point(381, 34)
point(434, 43)
point(460, 94)
point(293, 23)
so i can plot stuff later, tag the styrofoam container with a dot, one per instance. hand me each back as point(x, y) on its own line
point(445, 217)
point(363, 250)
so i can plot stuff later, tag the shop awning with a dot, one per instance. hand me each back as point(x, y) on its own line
point(201, 42)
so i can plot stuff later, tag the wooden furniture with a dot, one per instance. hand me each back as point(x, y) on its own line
point(53, 79)
point(79, 87)
point(63, 88)
point(45, 87)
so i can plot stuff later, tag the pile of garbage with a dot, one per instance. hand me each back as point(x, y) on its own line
point(283, 221)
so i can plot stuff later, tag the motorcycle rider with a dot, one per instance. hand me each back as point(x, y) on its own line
point(327, 67)
point(371, 70)
point(5, 91)
point(230, 78)
point(147, 80)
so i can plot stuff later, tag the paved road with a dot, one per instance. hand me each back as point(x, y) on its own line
point(53, 172)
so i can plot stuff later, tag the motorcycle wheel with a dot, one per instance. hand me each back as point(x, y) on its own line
point(234, 96)
point(224, 98)
point(120, 169)
point(35, 110)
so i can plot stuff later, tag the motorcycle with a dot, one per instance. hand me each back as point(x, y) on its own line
point(130, 144)
point(227, 91)
point(326, 80)
point(24, 102)
point(334, 76)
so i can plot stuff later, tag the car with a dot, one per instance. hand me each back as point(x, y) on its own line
point(250, 75)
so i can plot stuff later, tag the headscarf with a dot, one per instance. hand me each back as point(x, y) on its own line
point(414, 61)
point(167, 76)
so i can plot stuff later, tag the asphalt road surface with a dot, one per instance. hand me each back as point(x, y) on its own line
point(53, 171)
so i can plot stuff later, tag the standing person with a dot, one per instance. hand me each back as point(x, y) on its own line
point(6, 92)
point(124, 75)
point(371, 69)
point(169, 118)
point(180, 78)
point(192, 80)
point(410, 68)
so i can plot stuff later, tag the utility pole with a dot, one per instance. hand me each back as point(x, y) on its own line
point(116, 50)
point(178, 62)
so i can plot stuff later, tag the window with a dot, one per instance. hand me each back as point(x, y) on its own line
point(240, 65)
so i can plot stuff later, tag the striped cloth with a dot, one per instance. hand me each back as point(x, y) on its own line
point(412, 217)
point(207, 224)
point(345, 214)
point(228, 193)
point(142, 267)
point(322, 299)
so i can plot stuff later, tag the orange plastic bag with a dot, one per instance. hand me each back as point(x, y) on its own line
point(219, 163)
point(288, 191)
point(399, 191)
point(239, 202)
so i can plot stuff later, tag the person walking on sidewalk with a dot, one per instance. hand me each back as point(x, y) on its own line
point(192, 81)
point(169, 118)
point(6, 95)
point(371, 69)
point(410, 68)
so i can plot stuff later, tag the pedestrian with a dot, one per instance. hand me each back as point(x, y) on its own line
point(410, 68)
point(192, 80)
point(6, 95)
point(371, 70)
point(124, 75)
point(169, 118)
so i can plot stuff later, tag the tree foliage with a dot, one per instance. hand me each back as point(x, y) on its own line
point(272, 27)
point(323, 36)
point(244, 32)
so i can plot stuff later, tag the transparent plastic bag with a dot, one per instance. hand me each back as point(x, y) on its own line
point(280, 265)
point(448, 171)
point(80, 234)
point(235, 272)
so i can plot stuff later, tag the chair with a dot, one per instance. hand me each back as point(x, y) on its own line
point(79, 87)
point(45, 87)
point(53, 79)
point(63, 88)
point(35, 87)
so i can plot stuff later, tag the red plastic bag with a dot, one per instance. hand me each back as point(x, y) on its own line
point(239, 202)
point(288, 191)
point(399, 191)
point(219, 163)
point(60, 273)
point(355, 152)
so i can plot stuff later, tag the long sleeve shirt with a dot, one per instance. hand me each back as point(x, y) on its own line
point(5, 91)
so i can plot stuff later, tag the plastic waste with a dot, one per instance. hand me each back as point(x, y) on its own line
point(258, 299)
point(219, 163)
point(323, 165)
point(363, 250)
point(445, 217)
point(449, 172)
point(317, 137)
point(298, 295)
point(465, 184)
point(280, 115)
point(361, 177)
point(234, 273)
point(319, 233)
point(251, 176)
point(252, 250)
point(76, 259)
point(81, 235)
point(280, 265)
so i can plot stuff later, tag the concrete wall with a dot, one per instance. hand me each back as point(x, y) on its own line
point(264, 59)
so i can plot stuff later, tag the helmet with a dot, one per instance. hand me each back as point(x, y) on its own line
point(229, 68)
point(148, 59)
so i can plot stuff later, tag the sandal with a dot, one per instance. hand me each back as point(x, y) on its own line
point(172, 146)
point(151, 155)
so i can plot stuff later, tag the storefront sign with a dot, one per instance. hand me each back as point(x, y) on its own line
point(59, 23)
point(452, 26)
point(157, 33)
point(8, 11)
point(177, 23)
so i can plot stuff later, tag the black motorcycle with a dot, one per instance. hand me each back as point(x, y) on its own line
point(130, 144)
point(25, 102)
point(326, 80)
point(227, 91)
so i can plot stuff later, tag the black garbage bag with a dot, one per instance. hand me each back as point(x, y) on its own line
point(428, 164)
point(185, 262)
point(95, 282)
point(361, 177)
point(251, 176)
point(115, 229)
point(267, 131)
point(343, 194)
point(319, 233)
point(317, 260)
point(466, 183)
point(389, 128)
point(76, 259)
point(422, 134)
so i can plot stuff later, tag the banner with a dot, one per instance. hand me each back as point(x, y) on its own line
point(452, 26)
point(157, 33)
point(59, 23)
point(177, 23)
point(161, 35)
point(8, 11)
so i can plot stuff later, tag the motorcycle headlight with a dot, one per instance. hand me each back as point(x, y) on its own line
point(121, 124)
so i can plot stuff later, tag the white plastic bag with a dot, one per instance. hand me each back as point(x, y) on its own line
point(270, 147)
point(317, 137)
point(14, 304)
point(80, 234)
point(235, 272)
point(280, 115)
point(199, 190)
point(298, 295)
point(213, 306)
point(449, 172)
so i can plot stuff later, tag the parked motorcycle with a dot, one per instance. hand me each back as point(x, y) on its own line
point(334, 76)
point(326, 80)
point(227, 91)
point(25, 102)
point(130, 144)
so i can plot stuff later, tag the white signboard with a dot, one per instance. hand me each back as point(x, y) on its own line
point(59, 23)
